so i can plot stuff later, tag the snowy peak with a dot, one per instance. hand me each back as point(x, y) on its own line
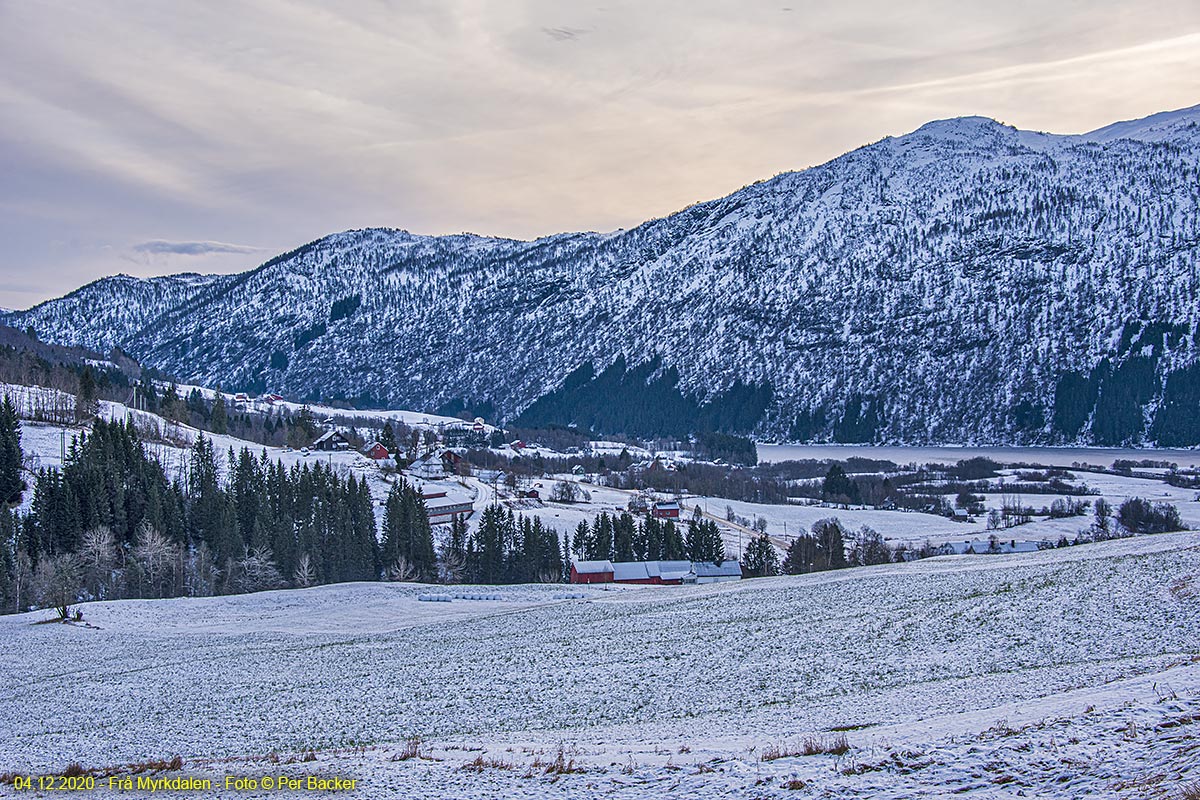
point(963, 129)
point(1164, 126)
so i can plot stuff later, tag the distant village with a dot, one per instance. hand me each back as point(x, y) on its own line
point(438, 462)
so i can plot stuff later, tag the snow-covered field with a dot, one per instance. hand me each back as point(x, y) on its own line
point(1060, 674)
point(914, 528)
point(414, 419)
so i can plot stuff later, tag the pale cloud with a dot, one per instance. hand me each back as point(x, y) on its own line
point(162, 247)
point(271, 122)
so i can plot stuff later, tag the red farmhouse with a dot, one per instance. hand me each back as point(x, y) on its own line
point(666, 510)
point(376, 451)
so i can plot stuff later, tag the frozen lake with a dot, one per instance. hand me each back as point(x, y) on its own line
point(1050, 456)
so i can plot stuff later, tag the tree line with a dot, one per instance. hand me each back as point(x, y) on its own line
point(110, 524)
point(621, 537)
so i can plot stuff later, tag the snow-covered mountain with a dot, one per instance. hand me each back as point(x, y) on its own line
point(967, 282)
point(105, 312)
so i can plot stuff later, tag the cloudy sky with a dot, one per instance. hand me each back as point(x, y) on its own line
point(151, 137)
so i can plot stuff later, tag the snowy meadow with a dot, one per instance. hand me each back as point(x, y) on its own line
point(929, 670)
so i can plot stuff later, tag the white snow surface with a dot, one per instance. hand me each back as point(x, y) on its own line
point(1056, 674)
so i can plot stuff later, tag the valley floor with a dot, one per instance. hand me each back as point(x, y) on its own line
point(1052, 674)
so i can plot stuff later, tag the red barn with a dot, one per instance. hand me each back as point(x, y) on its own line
point(591, 572)
point(666, 510)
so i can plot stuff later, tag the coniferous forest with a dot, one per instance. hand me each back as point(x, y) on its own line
point(110, 525)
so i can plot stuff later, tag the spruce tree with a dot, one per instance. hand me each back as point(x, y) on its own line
point(452, 561)
point(219, 421)
point(838, 487)
point(387, 438)
point(704, 542)
point(11, 457)
point(673, 548)
point(623, 534)
point(761, 558)
point(602, 539)
point(652, 537)
point(801, 555)
point(407, 535)
point(211, 516)
point(86, 404)
point(581, 542)
point(486, 555)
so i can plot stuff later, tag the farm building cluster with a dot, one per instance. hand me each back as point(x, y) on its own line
point(655, 573)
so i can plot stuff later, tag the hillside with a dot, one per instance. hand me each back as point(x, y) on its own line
point(967, 282)
point(1076, 669)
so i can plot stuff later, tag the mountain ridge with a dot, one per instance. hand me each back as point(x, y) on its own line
point(958, 283)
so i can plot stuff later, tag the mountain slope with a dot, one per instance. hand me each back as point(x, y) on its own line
point(106, 312)
point(966, 282)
